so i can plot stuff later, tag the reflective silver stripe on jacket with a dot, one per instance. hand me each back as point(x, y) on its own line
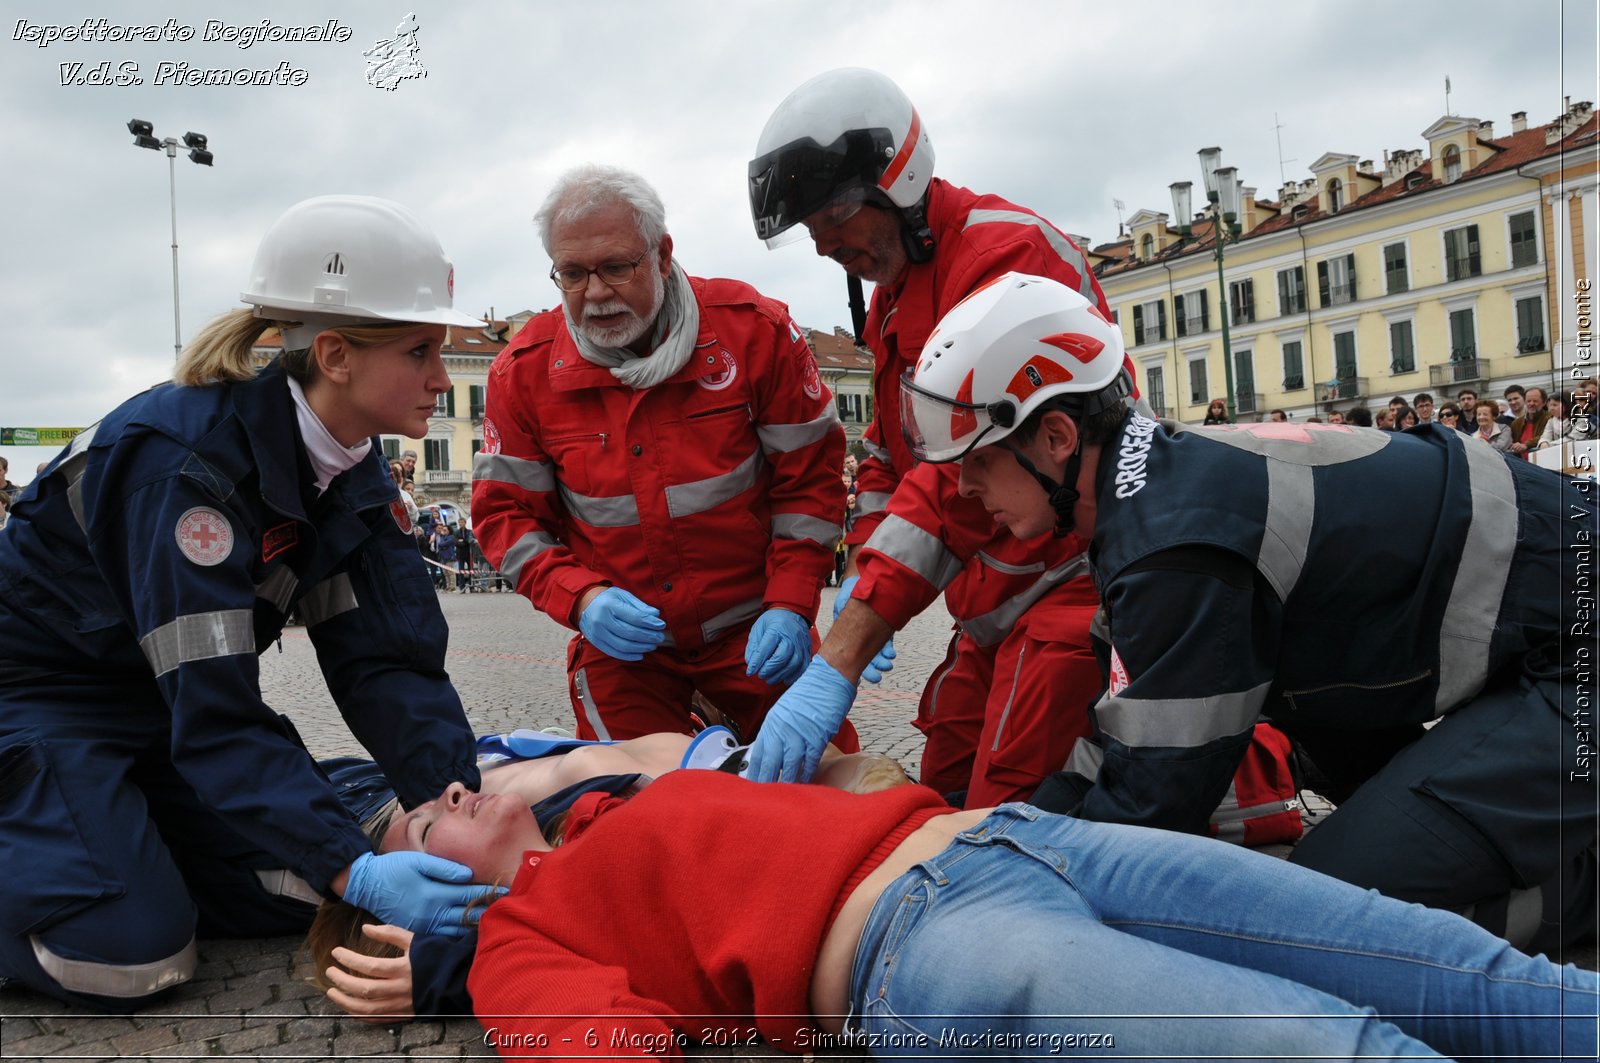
point(875, 451)
point(1184, 722)
point(280, 882)
point(199, 637)
point(1011, 697)
point(1480, 582)
point(996, 624)
point(1291, 505)
point(328, 599)
point(685, 500)
point(781, 438)
point(124, 981)
point(1100, 626)
point(1008, 568)
point(591, 711)
point(72, 468)
point(729, 618)
point(279, 588)
point(611, 511)
point(525, 473)
point(916, 549)
point(1058, 243)
point(805, 526)
point(524, 550)
point(871, 502)
point(1085, 759)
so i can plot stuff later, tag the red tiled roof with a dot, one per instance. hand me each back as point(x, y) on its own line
point(835, 351)
point(1508, 153)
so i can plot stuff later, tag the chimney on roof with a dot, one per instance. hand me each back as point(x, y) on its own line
point(1288, 194)
point(1398, 163)
point(1485, 130)
point(1563, 127)
point(1519, 121)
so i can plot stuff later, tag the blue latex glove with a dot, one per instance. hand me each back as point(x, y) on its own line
point(622, 626)
point(798, 727)
point(883, 660)
point(779, 643)
point(425, 894)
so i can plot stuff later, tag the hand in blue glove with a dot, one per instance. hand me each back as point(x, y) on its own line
point(883, 660)
point(798, 727)
point(424, 894)
point(622, 626)
point(779, 643)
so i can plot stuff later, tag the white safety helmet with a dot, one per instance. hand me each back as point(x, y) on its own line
point(1007, 349)
point(336, 260)
point(839, 139)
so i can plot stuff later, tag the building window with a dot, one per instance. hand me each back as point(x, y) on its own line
point(1335, 196)
point(1155, 381)
point(1199, 389)
point(1294, 369)
point(1336, 280)
point(1344, 355)
point(1402, 350)
point(1242, 301)
point(1452, 164)
point(1244, 381)
point(436, 455)
point(1394, 269)
point(1149, 322)
point(477, 445)
point(1292, 291)
point(1147, 247)
point(1190, 314)
point(852, 408)
point(1524, 244)
point(1463, 336)
point(1530, 324)
point(391, 448)
point(445, 404)
point(475, 394)
point(1461, 258)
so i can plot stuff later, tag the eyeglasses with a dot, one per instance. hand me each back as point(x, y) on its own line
point(614, 274)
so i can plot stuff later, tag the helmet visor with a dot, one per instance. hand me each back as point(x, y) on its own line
point(793, 182)
point(940, 429)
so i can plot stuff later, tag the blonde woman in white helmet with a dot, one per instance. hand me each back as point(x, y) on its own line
point(147, 791)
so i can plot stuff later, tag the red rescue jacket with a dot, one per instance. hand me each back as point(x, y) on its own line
point(712, 496)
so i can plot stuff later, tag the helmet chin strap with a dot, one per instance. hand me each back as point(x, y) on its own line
point(1064, 495)
point(915, 233)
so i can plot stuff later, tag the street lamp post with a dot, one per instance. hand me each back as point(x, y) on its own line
point(144, 137)
point(1223, 195)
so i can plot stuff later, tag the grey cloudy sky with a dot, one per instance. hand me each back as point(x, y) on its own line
point(1061, 105)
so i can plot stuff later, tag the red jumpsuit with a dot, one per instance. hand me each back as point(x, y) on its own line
point(1002, 712)
point(712, 496)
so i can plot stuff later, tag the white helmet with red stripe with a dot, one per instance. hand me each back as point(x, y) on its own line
point(1001, 353)
point(841, 138)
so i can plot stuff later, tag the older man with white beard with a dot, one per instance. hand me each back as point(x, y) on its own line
point(659, 471)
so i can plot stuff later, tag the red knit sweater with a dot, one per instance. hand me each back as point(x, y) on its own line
point(691, 912)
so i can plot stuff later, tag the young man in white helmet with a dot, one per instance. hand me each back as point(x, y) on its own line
point(147, 793)
point(847, 160)
point(1224, 558)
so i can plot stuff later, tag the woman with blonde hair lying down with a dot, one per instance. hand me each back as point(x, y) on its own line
point(377, 972)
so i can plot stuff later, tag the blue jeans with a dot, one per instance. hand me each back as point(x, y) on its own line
point(1045, 936)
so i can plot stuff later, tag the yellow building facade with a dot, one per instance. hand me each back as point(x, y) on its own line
point(1431, 274)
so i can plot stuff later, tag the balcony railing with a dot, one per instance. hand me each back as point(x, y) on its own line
point(1248, 402)
point(1343, 389)
point(1466, 369)
point(446, 476)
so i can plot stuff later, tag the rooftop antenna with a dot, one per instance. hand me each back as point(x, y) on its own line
point(1447, 94)
point(1119, 205)
point(1277, 129)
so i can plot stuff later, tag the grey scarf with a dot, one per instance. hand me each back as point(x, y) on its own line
point(672, 339)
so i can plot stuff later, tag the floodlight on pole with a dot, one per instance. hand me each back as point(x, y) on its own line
point(1224, 198)
point(144, 137)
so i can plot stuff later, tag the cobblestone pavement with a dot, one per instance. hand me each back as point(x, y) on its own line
point(250, 999)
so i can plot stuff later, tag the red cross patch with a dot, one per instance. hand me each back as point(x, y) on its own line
point(402, 519)
point(204, 536)
point(1119, 674)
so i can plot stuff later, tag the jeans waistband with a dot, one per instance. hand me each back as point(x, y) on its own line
point(880, 919)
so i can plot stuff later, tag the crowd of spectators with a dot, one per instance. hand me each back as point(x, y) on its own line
point(1523, 420)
